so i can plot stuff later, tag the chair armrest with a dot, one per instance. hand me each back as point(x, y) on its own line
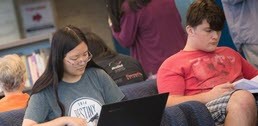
point(192, 113)
point(140, 89)
point(173, 116)
point(12, 118)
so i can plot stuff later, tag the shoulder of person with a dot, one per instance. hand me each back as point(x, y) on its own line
point(94, 70)
point(122, 56)
point(225, 48)
point(48, 91)
point(177, 61)
point(175, 57)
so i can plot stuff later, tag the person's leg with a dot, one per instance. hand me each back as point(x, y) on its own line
point(218, 108)
point(256, 99)
point(251, 53)
point(241, 109)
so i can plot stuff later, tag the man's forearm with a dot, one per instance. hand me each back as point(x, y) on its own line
point(176, 99)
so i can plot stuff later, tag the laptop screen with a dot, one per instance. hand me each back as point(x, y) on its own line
point(146, 111)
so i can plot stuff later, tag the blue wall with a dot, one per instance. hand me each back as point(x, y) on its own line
point(225, 39)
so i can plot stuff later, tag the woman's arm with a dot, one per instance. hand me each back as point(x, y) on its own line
point(129, 24)
point(61, 121)
point(38, 110)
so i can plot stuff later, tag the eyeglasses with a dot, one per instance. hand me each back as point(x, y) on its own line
point(81, 60)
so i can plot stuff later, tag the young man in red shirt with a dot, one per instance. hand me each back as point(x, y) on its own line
point(204, 72)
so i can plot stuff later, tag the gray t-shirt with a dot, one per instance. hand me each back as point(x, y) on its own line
point(81, 99)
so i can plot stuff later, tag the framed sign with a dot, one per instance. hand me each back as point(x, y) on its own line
point(37, 18)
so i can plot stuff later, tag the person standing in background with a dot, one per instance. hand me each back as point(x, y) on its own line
point(150, 28)
point(121, 68)
point(12, 82)
point(242, 19)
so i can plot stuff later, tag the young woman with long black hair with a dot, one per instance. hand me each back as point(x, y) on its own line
point(73, 88)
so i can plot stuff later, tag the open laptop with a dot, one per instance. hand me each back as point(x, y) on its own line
point(146, 111)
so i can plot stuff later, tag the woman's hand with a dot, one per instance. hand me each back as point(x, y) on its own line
point(61, 121)
point(73, 121)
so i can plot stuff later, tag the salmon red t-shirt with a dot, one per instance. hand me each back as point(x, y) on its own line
point(194, 72)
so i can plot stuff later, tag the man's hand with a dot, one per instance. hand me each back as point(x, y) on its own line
point(220, 90)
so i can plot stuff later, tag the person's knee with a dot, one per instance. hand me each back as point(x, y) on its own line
point(242, 100)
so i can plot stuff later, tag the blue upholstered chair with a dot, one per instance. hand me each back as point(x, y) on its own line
point(12, 118)
point(190, 113)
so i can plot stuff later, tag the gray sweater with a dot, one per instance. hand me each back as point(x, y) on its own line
point(242, 19)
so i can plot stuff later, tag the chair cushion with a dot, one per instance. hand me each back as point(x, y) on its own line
point(140, 89)
point(190, 113)
point(12, 118)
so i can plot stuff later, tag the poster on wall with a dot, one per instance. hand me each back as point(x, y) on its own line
point(9, 31)
point(37, 18)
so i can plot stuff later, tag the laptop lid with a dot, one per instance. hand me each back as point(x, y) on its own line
point(146, 111)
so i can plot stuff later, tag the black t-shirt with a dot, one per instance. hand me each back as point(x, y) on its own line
point(123, 69)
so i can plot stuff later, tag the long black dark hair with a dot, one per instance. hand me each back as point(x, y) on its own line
point(115, 11)
point(63, 41)
point(98, 47)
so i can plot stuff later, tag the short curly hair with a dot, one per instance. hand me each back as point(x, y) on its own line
point(12, 72)
point(205, 10)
